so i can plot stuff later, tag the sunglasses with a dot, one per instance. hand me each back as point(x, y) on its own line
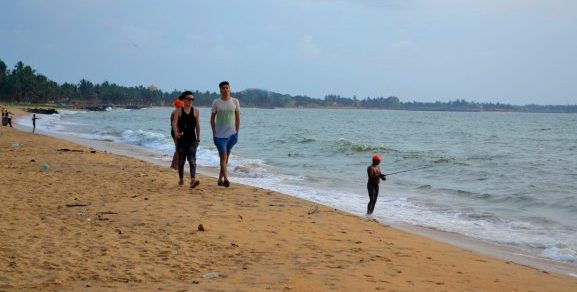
point(191, 99)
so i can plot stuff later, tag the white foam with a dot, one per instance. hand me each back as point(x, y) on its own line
point(147, 139)
point(560, 253)
point(402, 210)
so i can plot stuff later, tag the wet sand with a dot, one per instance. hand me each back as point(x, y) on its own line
point(73, 218)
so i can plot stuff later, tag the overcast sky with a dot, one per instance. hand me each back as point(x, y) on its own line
point(518, 51)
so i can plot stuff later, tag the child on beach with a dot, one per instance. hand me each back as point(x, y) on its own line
point(375, 175)
point(5, 117)
point(9, 116)
point(34, 118)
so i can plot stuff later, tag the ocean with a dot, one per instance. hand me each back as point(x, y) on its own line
point(503, 178)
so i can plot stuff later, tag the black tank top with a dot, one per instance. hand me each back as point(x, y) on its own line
point(187, 125)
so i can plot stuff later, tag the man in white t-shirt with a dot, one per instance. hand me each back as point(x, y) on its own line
point(225, 123)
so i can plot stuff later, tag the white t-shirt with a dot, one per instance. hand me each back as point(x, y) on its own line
point(225, 116)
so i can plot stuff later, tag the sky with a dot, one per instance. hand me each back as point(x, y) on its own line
point(509, 51)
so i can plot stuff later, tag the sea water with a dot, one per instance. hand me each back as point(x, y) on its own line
point(505, 178)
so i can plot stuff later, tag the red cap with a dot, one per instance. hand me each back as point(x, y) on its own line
point(377, 157)
point(178, 103)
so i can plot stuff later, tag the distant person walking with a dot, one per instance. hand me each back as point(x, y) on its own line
point(4, 117)
point(186, 127)
point(375, 175)
point(34, 118)
point(178, 103)
point(9, 118)
point(225, 123)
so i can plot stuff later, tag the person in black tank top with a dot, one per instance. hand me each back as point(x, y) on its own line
point(186, 127)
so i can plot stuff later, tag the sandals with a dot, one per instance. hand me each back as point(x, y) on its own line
point(193, 184)
point(225, 183)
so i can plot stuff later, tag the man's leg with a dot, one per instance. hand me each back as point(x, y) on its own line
point(192, 164)
point(221, 147)
point(374, 198)
point(370, 190)
point(223, 166)
point(174, 164)
point(181, 161)
point(231, 141)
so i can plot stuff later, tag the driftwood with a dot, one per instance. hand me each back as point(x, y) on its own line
point(68, 150)
point(106, 213)
point(76, 205)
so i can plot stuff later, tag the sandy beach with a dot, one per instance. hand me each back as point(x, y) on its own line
point(74, 218)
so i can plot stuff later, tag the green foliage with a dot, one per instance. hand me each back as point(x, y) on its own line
point(24, 85)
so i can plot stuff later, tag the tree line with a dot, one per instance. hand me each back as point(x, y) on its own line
point(23, 84)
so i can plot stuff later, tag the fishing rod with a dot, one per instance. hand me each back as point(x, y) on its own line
point(409, 170)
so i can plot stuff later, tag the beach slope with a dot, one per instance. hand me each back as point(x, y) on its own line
point(72, 218)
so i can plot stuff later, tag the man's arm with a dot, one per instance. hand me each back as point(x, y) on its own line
point(237, 120)
point(370, 172)
point(381, 175)
point(175, 124)
point(197, 126)
point(213, 123)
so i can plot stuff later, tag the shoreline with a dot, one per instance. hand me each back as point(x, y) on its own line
point(522, 108)
point(491, 249)
point(91, 220)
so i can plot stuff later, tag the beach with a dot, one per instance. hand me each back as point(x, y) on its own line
point(76, 218)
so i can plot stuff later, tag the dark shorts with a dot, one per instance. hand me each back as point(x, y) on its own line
point(224, 145)
point(373, 190)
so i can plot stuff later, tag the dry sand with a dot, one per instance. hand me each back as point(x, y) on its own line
point(80, 219)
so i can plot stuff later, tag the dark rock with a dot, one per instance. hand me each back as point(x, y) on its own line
point(45, 111)
point(135, 106)
point(96, 108)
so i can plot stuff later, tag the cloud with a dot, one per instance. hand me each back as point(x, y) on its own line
point(308, 48)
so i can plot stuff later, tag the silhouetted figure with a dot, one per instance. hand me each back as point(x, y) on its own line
point(375, 175)
point(34, 118)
